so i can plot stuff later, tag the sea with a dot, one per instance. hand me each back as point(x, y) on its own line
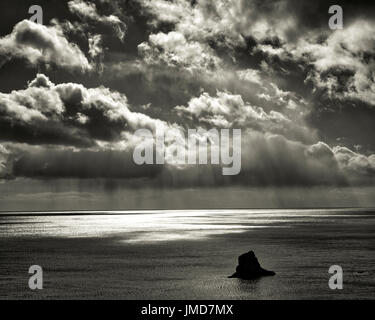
point(187, 254)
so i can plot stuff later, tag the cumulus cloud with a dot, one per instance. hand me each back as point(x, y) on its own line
point(302, 95)
point(34, 115)
point(354, 163)
point(174, 50)
point(338, 62)
point(39, 44)
point(226, 110)
point(343, 63)
point(341, 60)
point(198, 64)
point(67, 114)
point(230, 20)
point(89, 133)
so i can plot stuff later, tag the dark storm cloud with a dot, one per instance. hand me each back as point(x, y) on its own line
point(43, 132)
point(268, 160)
point(82, 164)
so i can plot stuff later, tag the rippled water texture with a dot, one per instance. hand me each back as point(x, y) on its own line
point(187, 254)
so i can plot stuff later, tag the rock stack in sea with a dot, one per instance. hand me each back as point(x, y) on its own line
point(249, 267)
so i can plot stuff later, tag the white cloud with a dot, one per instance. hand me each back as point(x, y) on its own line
point(88, 11)
point(231, 19)
point(355, 163)
point(340, 63)
point(95, 46)
point(68, 114)
point(37, 43)
point(174, 50)
point(250, 75)
point(226, 110)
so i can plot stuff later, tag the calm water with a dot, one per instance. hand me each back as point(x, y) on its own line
point(187, 254)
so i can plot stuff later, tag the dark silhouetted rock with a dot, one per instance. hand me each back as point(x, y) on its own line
point(249, 267)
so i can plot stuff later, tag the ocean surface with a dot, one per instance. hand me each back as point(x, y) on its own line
point(187, 254)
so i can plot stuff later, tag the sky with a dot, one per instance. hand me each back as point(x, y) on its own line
point(75, 89)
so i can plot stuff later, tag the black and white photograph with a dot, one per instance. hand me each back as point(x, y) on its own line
point(187, 150)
